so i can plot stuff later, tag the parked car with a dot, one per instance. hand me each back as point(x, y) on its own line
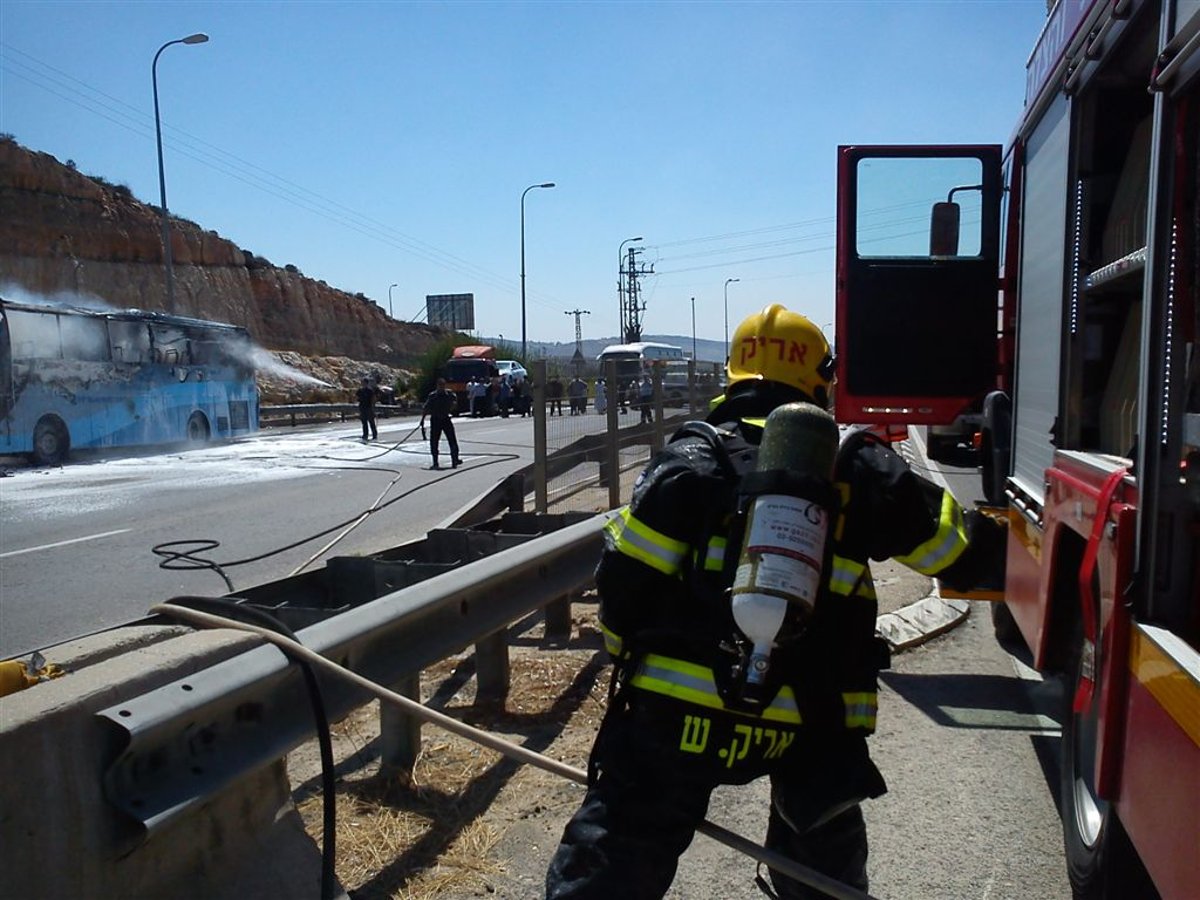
point(513, 369)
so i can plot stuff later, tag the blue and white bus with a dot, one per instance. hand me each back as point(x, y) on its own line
point(633, 360)
point(73, 378)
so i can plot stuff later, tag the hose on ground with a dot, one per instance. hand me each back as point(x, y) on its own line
point(296, 650)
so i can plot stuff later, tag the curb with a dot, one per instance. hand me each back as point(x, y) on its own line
point(921, 621)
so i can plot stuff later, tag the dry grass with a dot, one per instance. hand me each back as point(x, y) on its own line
point(434, 834)
point(414, 840)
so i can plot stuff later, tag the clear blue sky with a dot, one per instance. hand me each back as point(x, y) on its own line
point(372, 143)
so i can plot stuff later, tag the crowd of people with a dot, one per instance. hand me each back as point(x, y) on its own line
point(630, 394)
point(499, 395)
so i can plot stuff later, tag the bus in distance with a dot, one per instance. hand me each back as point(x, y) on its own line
point(634, 360)
point(75, 378)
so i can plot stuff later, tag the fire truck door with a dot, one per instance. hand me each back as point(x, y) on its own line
point(917, 276)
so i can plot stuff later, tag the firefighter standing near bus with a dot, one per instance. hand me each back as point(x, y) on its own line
point(702, 696)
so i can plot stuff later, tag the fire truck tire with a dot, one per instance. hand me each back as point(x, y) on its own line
point(51, 441)
point(1101, 862)
point(933, 445)
point(197, 428)
point(1004, 626)
point(991, 475)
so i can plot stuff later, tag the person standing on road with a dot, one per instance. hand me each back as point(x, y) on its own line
point(681, 720)
point(577, 396)
point(365, 396)
point(646, 399)
point(554, 393)
point(601, 397)
point(439, 406)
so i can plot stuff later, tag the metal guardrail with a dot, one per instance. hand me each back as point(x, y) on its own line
point(306, 413)
point(178, 744)
point(184, 741)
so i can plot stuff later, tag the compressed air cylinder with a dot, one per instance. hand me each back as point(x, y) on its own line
point(783, 545)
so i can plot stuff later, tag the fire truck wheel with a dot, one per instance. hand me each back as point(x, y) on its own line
point(990, 474)
point(51, 441)
point(933, 445)
point(1004, 626)
point(1101, 861)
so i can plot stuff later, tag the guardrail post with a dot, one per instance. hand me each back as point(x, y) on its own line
point(693, 405)
point(612, 448)
point(492, 673)
point(514, 487)
point(540, 488)
point(658, 431)
point(400, 732)
point(558, 617)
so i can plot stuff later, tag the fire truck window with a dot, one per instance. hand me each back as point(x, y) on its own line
point(897, 196)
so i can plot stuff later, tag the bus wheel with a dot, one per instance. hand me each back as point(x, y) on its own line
point(1101, 861)
point(197, 428)
point(51, 441)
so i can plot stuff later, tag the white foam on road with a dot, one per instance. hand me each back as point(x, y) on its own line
point(91, 484)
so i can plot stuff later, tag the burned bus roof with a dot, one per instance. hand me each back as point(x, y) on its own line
point(124, 315)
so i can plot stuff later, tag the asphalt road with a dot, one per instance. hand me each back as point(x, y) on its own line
point(75, 541)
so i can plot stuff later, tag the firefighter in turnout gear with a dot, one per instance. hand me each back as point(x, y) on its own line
point(677, 723)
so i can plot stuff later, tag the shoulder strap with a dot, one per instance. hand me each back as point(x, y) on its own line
point(716, 438)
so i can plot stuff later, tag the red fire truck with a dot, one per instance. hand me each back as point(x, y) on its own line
point(1059, 277)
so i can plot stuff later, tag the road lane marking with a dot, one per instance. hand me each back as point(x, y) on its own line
point(79, 540)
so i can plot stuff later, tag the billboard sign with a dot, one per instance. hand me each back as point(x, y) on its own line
point(455, 312)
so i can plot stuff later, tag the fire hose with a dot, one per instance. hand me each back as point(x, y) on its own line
point(295, 649)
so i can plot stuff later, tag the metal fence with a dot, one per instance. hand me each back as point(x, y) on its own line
point(591, 439)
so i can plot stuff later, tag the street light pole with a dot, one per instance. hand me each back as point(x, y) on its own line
point(621, 289)
point(198, 38)
point(728, 282)
point(548, 184)
point(390, 313)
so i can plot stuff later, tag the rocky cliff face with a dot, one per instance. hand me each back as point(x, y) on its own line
point(64, 232)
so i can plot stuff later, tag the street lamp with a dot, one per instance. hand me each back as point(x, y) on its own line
point(198, 38)
point(728, 282)
point(548, 184)
point(620, 294)
point(390, 313)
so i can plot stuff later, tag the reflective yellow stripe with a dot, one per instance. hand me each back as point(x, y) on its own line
point(714, 560)
point(845, 576)
point(860, 709)
point(612, 641)
point(639, 541)
point(945, 546)
point(695, 684)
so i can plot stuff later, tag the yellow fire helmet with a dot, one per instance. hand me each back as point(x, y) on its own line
point(782, 346)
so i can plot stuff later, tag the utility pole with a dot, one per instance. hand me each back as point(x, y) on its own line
point(631, 324)
point(621, 286)
point(578, 328)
